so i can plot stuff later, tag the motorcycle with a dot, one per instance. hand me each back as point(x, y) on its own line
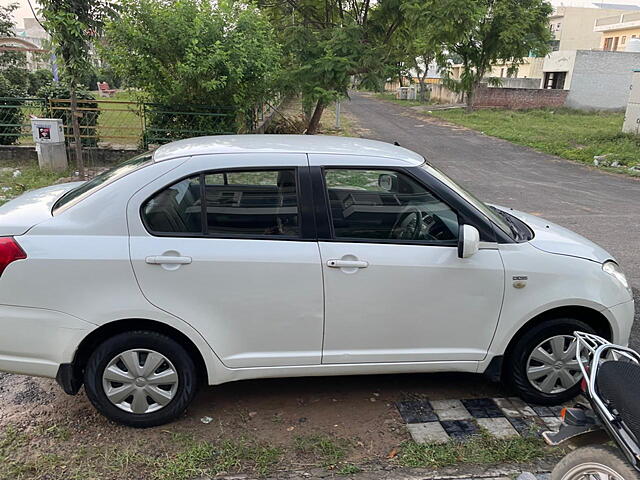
point(607, 429)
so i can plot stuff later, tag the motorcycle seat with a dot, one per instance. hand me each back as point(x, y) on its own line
point(618, 384)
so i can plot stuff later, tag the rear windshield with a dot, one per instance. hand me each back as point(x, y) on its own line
point(105, 178)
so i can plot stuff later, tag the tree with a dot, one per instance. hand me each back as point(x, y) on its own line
point(484, 32)
point(73, 25)
point(12, 63)
point(328, 41)
point(417, 46)
point(194, 52)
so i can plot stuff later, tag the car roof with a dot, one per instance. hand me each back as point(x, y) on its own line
point(311, 144)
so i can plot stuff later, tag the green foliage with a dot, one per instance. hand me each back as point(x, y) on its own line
point(328, 42)
point(484, 32)
point(73, 25)
point(38, 79)
point(10, 112)
point(89, 119)
point(192, 52)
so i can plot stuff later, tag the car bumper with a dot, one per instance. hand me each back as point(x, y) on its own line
point(35, 341)
point(621, 319)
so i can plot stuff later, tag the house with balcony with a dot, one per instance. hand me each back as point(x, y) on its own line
point(618, 31)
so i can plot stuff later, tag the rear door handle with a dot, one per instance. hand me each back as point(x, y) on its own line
point(167, 260)
point(347, 264)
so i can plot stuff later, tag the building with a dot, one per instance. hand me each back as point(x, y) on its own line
point(596, 80)
point(617, 31)
point(33, 33)
point(572, 27)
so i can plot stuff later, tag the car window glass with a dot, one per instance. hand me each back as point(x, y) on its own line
point(176, 209)
point(387, 205)
point(252, 203)
point(105, 178)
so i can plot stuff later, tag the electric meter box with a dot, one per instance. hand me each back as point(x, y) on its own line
point(47, 130)
point(48, 133)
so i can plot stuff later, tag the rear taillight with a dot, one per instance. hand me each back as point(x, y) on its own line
point(10, 251)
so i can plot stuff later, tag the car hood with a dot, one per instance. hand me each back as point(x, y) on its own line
point(552, 238)
point(20, 214)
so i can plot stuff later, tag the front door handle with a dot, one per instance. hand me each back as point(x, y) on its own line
point(167, 260)
point(347, 264)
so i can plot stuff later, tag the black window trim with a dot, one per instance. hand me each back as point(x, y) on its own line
point(465, 213)
point(303, 194)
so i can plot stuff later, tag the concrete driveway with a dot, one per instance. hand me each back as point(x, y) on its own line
point(603, 207)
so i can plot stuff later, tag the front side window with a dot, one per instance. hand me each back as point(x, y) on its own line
point(234, 203)
point(385, 205)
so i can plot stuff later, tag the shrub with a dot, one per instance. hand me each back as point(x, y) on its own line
point(11, 115)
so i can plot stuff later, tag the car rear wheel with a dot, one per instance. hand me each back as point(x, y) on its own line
point(140, 379)
point(542, 365)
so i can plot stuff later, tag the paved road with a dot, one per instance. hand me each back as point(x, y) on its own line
point(603, 207)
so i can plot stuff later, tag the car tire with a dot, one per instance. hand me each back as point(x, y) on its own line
point(141, 399)
point(519, 360)
point(590, 461)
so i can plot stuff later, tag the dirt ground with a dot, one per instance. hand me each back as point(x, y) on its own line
point(48, 434)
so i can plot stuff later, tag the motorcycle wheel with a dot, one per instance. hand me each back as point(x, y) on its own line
point(594, 462)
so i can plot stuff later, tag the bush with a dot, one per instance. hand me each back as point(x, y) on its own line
point(39, 79)
point(166, 123)
point(88, 121)
point(11, 113)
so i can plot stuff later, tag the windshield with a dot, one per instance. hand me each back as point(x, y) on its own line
point(105, 178)
point(495, 217)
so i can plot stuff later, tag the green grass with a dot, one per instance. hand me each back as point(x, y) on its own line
point(119, 123)
point(391, 97)
point(184, 459)
point(570, 134)
point(326, 450)
point(481, 450)
point(30, 177)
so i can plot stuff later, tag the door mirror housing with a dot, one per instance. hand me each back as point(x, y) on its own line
point(468, 241)
point(388, 183)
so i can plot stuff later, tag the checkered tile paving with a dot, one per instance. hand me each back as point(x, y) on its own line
point(439, 421)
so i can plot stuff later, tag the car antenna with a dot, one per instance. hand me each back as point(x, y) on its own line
point(396, 144)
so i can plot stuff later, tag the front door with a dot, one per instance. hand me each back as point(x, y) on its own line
point(395, 289)
point(224, 249)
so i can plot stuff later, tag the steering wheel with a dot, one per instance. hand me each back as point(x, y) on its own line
point(408, 226)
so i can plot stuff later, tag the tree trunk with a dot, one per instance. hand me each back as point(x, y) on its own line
point(75, 125)
point(314, 123)
point(470, 97)
point(422, 90)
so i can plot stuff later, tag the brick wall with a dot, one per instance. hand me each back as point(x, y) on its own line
point(519, 98)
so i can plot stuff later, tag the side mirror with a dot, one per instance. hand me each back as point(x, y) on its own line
point(388, 183)
point(468, 241)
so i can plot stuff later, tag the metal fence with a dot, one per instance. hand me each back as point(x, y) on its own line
point(115, 123)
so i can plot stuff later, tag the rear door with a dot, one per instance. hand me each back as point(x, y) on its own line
point(227, 244)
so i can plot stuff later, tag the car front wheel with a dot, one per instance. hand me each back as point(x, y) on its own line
point(140, 379)
point(542, 365)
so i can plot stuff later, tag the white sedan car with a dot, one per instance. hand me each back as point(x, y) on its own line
point(226, 258)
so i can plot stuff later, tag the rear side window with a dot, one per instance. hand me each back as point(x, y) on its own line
point(248, 203)
point(176, 209)
point(103, 179)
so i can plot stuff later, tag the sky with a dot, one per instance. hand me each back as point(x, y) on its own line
point(24, 10)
